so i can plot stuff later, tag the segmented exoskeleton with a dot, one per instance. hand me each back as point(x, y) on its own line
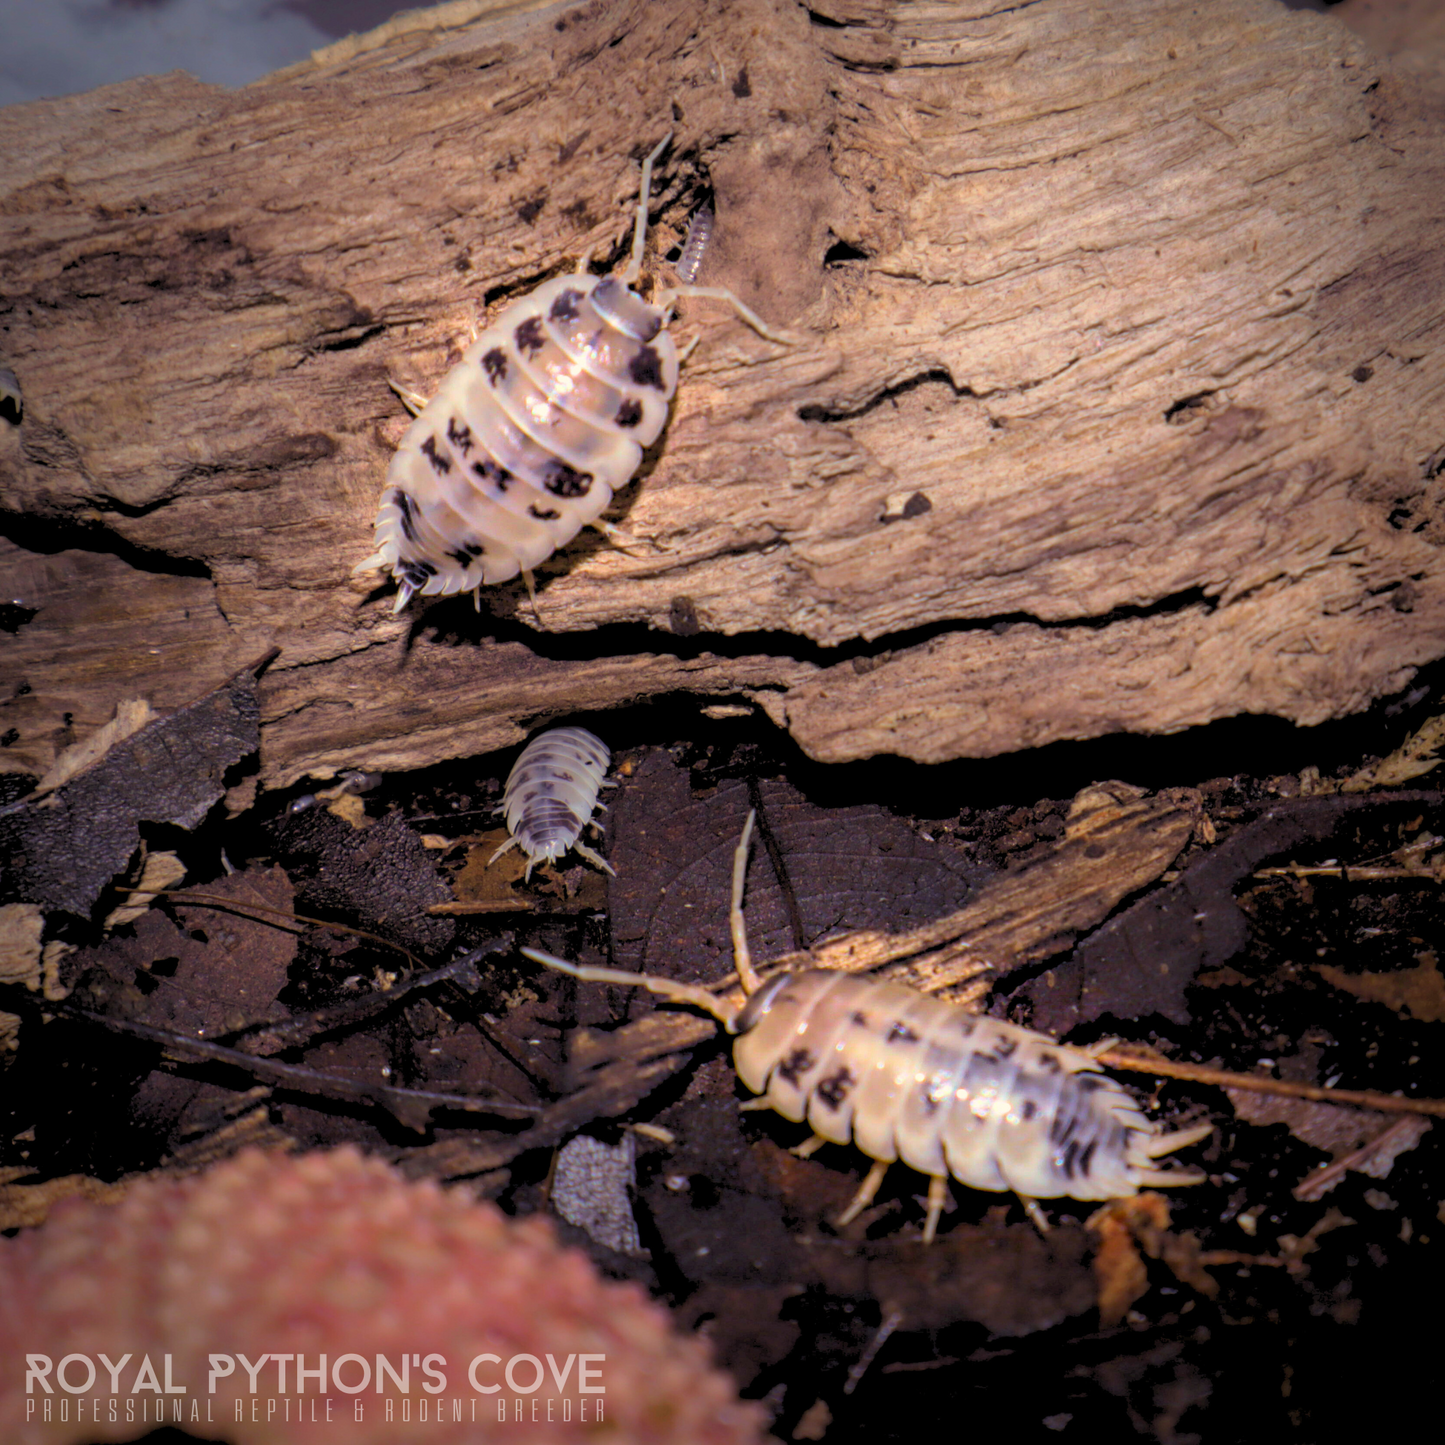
point(906, 1076)
point(546, 415)
point(695, 243)
point(550, 794)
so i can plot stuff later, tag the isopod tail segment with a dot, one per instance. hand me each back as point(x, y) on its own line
point(907, 1076)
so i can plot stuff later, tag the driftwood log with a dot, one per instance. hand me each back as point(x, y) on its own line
point(1119, 403)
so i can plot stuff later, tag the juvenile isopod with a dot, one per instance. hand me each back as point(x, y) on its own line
point(546, 415)
point(906, 1076)
point(695, 243)
point(550, 794)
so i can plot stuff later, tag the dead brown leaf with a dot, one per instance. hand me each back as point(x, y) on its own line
point(1418, 992)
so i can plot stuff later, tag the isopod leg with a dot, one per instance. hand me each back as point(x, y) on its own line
point(531, 585)
point(742, 956)
point(808, 1148)
point(866, 1190)
point(1037, 1217)
point(413, 401)
point(938, 1200)
point(592, 857)
point(623, 540)
point(509, 844)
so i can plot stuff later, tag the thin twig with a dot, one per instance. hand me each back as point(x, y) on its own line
point(215, 900)
point(1199, 1074)
point(408, 1105)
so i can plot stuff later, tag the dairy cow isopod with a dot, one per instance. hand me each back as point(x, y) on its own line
point(550, 794)
point(906, 1076)
point(546, 415)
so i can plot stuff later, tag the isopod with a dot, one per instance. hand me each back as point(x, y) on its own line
point(550, 794)
point(907, 1076)
point(695, 243)
point(546, 415)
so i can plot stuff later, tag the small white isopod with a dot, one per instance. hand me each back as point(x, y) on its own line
point(906, 1076)
point(546, 415)
point(550, 795)
point(695, 243)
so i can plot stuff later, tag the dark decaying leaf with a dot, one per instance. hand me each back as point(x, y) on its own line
point(843, 868)
point(62, 850)
point(212, 973)
point(380, 877)
point(1142, 961)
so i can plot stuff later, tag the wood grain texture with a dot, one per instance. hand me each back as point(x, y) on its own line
point(1120, 402)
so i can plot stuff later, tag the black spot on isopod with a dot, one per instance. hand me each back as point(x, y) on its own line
point(565, 307)
point(861, 1019)
point(629, 413)
point(543, 514)
point(497, 475)
point(494, 363)
point(646, 368)
point(1029, 1109)
point(529, 335)
point(1087, 1156)
point(900, 1033)
point(467, 553)
point(1004, 1047)
point(1049, 1063)
point(404, 504)
point(834, 1089)
point(1069, 1156)
point(440, 464)
point(459, 434)
point(795, 1066)
point(564, 481)
point(963, 1026)
point(1089, 1084)
point(931, 1103)
point(416, 572)
point(1062, 1129)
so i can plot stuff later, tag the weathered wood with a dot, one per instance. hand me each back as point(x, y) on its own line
point(1119, 404)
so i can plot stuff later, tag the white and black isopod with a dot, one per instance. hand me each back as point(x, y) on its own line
point(546, 415)
point(550, 794)
point(909, 1077)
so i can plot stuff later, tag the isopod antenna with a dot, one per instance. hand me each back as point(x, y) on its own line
point(693, 993)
